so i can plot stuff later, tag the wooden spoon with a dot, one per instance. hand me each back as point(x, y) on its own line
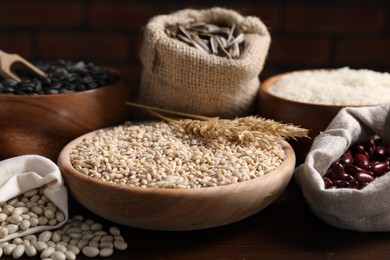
point(8, 62)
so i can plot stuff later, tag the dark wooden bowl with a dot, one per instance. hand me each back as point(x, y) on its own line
point(44, 124)
point(175, 209)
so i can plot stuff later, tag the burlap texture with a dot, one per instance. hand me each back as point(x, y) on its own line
point(180, 77)
point(367, 209)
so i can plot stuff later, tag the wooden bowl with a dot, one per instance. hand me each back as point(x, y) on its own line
point(175, 209)
point(44, 124)
point(314, 117)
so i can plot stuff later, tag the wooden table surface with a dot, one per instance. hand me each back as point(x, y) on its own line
point(284, 230)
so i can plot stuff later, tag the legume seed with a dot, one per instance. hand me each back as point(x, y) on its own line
point(31, 251)
point(18, 251)
point(58, 256)
point(70, 255)
point(3, 232)
point(89, 251)
point(120, 245)
point(47, 252)
point(8, 249)
point(106, 252)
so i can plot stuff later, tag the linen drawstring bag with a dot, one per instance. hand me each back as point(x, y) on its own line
point(367, 209)
point(179, 77)
point(27, 172)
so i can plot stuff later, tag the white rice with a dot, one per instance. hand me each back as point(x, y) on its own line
point(342, 86)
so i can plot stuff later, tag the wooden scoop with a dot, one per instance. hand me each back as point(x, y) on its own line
point(9, 62)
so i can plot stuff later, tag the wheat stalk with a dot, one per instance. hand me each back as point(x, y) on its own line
point(250, 129)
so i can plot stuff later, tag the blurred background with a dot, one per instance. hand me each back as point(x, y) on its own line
point(305, 34)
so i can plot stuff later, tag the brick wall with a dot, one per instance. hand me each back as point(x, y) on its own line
point(305, 34)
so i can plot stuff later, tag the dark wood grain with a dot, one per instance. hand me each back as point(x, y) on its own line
point(284, 230)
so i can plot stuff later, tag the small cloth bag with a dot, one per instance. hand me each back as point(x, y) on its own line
point(27, 172)
point(367, 209)
point(179, 77)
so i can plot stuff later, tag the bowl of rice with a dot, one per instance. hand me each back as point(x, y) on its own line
point(312, 98)
point(153, 175)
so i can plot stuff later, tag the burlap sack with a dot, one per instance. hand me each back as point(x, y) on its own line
point(180, 77)
point(27, 172)
point(367, 209)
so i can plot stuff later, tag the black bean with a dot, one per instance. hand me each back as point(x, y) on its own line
point(62, 77)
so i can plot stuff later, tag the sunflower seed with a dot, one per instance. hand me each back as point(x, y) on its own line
point(211, 38)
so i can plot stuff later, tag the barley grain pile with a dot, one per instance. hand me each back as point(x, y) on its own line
point(162, 155)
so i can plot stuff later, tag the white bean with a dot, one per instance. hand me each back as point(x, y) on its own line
point(14, 219)
point(30, 193)
point(74, 249)
point(82, 243)
point(58, 256)
point(45, 236)
point(25, 224)
point(70, 255)
point(43, 220)
point(89, 251)
point(107, 238)
point(18, 251)
point(73, 230)
point(41, 245)
point(30, 237)
point(3, 232)
point(56, 237)
point(12, 228)
point(106, 252)
point(17, 241)
point(49, 213)
point(120, 245)
point(31, 251)
point(8, 249)
point(115, 231)
point(3, 217)
point(96, 227)
point(2, 245)
point(51, 244)
point(34, 222)
point(106, 244)
point(37, 210)
point(60, 216)
point(47, 252)
point(61, 248)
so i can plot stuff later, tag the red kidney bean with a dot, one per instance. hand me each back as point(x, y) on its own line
point(378, 168)
point(359, 165)
point(353, 184)
point(380, 150)
point(363, 177)
point(352, 170)
point(359, 148)
point(341, 183)
point(361, 160)
point(346, 177)
point(347, 157)
point(328, 183)
point(370, 146)
point(335, 171)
